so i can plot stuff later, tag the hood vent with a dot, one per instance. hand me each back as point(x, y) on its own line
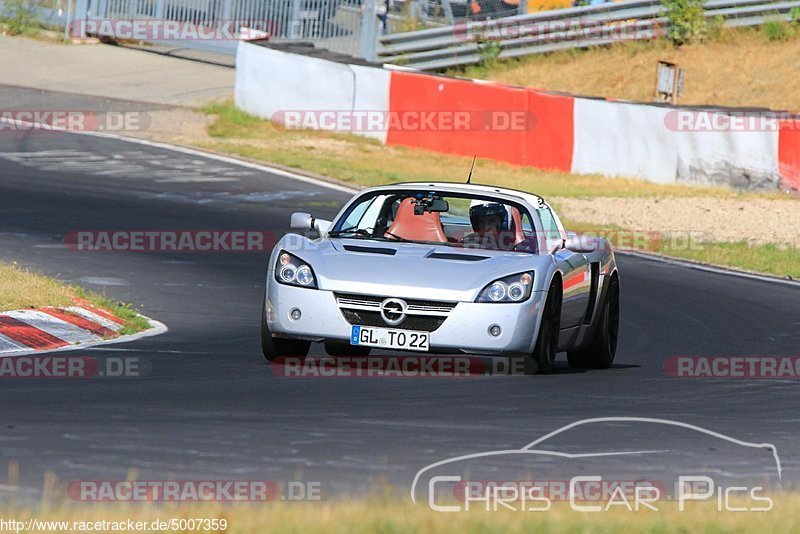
point(457, 257)
point(371, 250)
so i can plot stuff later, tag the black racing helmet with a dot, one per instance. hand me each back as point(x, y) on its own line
point(488, 209)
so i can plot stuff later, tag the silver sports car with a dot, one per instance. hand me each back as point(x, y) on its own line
point(443, 268)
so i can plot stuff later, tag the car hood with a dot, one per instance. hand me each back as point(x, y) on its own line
point(411, 270)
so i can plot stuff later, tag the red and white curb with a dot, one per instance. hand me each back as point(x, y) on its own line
point(55, 329)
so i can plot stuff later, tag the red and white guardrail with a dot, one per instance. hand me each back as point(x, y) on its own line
point(572, 134)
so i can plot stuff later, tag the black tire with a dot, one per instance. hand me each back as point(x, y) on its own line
point(337, 349)
point(274, 347)
point(544, 352)
point(599, 354)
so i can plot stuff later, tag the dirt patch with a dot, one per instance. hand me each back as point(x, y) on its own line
point(756, 221)
point(178, 126)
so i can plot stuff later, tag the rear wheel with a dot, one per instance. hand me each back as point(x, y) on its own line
point(603, 347)
point(544, 352)
point(337, 349)
point(273, 347)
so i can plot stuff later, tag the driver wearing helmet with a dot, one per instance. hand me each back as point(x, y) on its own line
point(490, 223)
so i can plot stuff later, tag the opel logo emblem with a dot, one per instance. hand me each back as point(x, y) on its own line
point(393, 311)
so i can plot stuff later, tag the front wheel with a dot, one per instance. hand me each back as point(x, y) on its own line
point(273, 347)
point(603, 347)
point(544, 352)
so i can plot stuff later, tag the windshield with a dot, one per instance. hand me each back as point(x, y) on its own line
point(456, 220)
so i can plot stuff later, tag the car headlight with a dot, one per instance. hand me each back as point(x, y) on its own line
point(292, 271)
point(514, 288)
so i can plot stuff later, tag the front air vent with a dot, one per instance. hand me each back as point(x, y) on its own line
point(457, 257)
point(371, 250)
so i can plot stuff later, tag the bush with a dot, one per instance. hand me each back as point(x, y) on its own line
point(686, 21)
point(777, 30)
point(715, 27)
point(20, 17)
point(489, 51)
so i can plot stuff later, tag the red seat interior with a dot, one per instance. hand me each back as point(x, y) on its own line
point(425, 227)
point(516, 226)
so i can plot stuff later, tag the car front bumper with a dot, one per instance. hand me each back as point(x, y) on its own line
point(465, 330)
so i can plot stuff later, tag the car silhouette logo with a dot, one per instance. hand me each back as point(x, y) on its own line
point(393, 311)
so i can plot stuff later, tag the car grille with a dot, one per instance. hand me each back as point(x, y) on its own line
point(422, 315)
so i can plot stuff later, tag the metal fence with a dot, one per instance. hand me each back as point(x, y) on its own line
point(350, 27)
point(346, 26)
point(471, 42)
point(457, 32)
point(329, 24)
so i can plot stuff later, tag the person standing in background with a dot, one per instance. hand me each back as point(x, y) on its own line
point(382, 11)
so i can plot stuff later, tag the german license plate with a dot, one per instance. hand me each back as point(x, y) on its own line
point(386, 338)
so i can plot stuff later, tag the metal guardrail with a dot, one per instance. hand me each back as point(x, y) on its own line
point(548, 31)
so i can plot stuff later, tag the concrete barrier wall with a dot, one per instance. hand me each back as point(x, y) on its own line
point(561, 132)
point(652, 142)
point(461, 116)
point(616, 139)
point(270, 81)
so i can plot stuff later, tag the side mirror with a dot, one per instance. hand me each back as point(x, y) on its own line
point(302, 221)
point(580, 243)
point(305, 222)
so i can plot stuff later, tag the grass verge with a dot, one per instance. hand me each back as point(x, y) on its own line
point(385, 516)
point(22, 289)
point(776, 260)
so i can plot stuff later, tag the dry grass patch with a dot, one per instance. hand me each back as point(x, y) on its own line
point(740, 68)
point(23, 289)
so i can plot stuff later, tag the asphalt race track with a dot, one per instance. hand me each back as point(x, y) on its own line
point(210, 407)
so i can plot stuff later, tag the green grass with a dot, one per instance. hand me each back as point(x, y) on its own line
point(134, 322)
point(20, 17)
point(771, 259)
point(777, 30)
point(781, 261)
